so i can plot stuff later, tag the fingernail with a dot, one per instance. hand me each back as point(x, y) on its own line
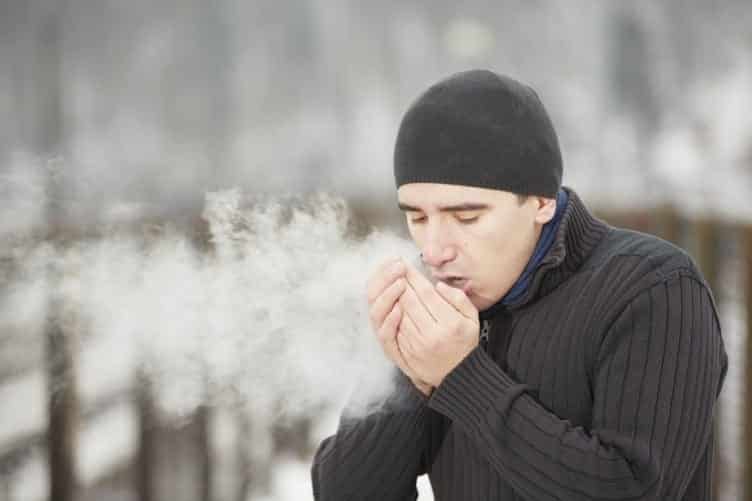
point(398, 266)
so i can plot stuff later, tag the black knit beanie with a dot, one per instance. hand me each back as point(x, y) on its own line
point(478, 128)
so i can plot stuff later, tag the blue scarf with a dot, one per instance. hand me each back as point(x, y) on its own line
point(547, 236)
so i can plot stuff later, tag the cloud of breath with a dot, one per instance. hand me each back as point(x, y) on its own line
point(273, 315)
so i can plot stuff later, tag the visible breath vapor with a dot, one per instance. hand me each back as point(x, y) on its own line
point(273, 316)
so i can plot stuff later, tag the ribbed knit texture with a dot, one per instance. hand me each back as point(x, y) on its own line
point(600, 383)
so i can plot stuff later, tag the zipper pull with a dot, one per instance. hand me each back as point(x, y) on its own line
point(484, 330)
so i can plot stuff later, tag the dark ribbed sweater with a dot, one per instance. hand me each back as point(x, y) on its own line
point(599, 383)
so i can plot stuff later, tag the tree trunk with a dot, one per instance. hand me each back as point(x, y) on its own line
point(147, 446)
point(60, 344)
point(203, 422)
point(747, 250)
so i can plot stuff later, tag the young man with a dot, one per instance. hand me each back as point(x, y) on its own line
point(556, 358)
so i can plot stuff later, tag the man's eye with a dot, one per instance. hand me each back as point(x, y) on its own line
point(419, 219)
point(467, 220)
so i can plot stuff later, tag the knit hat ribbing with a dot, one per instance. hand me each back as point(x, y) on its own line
point(478, 128)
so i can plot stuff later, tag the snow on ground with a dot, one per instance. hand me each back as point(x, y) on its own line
point(104, 369)
point(26, 412)
point(107, 441)
point(292, 482)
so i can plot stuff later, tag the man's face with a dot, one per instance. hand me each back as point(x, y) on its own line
point(475, 239)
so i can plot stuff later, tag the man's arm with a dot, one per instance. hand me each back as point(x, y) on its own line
point(379, 456)
point(659, 370)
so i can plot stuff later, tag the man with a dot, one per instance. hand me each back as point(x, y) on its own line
point(557, 357)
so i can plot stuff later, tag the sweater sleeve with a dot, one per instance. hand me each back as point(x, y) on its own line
point(378, 456)
point(659, 369)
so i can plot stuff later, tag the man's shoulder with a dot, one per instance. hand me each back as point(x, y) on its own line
point(622, 243)
point(633, 258)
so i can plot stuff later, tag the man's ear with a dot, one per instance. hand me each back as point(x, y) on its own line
point(546, 209)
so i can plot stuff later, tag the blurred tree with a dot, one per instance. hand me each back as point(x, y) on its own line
point(631, 72)
point(146, 459)
point(45, 20)
point(747, 383)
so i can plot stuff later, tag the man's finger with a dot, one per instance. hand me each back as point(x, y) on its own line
point(387, 334)
point(388, 339)
point(385, 274)
point(432, 300)
point(406, 355)
point(385, 302)
point(413, 307)
point(458, 300)
point(408, 337)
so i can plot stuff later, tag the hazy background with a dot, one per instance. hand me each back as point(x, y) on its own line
point(192, 195)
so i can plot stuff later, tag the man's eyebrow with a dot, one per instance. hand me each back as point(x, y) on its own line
point(447, 208)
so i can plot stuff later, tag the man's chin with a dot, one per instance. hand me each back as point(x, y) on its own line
point(480, 302)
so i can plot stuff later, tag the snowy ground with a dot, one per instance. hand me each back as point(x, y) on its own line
point(292, 483)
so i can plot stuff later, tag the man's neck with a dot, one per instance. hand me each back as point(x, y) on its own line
point(545, 239)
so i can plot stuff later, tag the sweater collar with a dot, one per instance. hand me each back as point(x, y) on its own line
point(545, 241)
point(577, 234)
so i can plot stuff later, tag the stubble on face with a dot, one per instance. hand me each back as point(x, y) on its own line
point(489, 254)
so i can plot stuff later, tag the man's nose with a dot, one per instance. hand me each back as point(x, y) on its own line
point(437, 249)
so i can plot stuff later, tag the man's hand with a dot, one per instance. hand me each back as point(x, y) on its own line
point(437, 329)
point(385, 287)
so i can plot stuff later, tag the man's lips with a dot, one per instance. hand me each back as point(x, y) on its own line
point(456, 282)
